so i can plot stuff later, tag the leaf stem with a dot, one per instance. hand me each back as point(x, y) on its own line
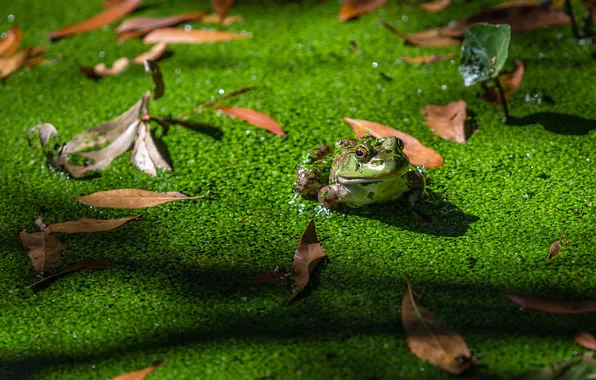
point(569, 11)
point(502, 96)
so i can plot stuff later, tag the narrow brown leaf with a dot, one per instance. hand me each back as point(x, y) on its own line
point(111, 3)
point(154, 54)
point(555, 306)
point(269, 277)
point(140, 374)
point(435, 6)
point(428, 59)
point(255, 118)
point(215, 102)
point(511, 80)
point(11, 41)
point(131, 198)
point(85, 225)
point(159, 86)
point(181, 36)
point(418, 153)
point(308, 255)
point(221, 7)
point(447, 121)
point(215, 19)
point(83, 264)
point(12, 64)
point(586, 340)
point(106, 132)
point(101, 70)
point(151, 23)
point(43, 249)
point(108, 16)
point(354, 8)
point(429, 38)
point(431, 340)
point(520, 15)
point(554, 250)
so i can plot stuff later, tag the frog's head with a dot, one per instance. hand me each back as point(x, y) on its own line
point(371, 160)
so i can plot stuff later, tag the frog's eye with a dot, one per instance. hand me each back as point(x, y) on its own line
point(400, 143)
point(361, 153)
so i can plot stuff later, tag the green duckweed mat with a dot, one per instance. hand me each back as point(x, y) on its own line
point(179, 292)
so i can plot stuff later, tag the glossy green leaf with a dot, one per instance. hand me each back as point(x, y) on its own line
point(484, 52)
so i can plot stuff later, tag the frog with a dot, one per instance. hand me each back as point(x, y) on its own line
point(358, 173)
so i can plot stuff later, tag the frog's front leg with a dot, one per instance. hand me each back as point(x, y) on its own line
point(417, 185)
point(312, 176)
point(330, 195)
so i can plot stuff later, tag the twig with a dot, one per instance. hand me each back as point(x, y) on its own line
point(217, 101)
point(569, 11)
point(502, 95)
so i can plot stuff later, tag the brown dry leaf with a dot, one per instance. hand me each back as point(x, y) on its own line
point(101, 70)
point(511, 80)
point(145, 154)
point(520, 15)
point(140, 374)
point(111, 3)
point(418, 153)
point(106, 132)
point(221, 7)
point(447, 121)
point(43, 249)
point(108, 16)
point(308, 254)
point(429, 38)
point(131, 198)
point(181, 36)
point(154, 54)
point(428, 59)
point(554, 250)
point(215, 19)
point(139, 26)
point(435, 6)
point(354, 8)
point(255, 118)
point(83, 264)
point(10, 65)
point(85, 225)
point(555, 306)
point(269, 277)
point(586, 340)
point(11, 41)
point(431, 340)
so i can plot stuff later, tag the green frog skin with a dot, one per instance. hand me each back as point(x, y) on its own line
point(358, 173)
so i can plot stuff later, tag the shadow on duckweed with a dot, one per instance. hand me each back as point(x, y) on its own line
point(560, 123)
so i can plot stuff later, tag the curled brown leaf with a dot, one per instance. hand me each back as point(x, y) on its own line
point(308, 254)
point(429, 38)
point(554, 250)
point(511, 80)
point(255, 118)
point(101, 70)
point(83, 264)
point(428, 59)
point(418, 153)
point(555, 306)
point(221, 7)
point(86, 225)
point(11, 41)
point(10, 65)
point(139, 26)
point(154, 54)
point(447, 121)
point(131, 198)
point(435, 6)
point(586, 340)
point(431, 340)
point(181, 36)
point(43, 248)
point(354, 8)
point(145, 154)
point(140, 374)
point(108, 16)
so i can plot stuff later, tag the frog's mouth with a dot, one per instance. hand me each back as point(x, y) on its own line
point(353, 180)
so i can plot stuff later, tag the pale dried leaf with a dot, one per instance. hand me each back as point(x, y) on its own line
point(195, 36)
point(418, 153)
point(154, 54)
point(354, 8)
point(435, 6)
point(11, 41)
point(131, 198)
point(108, 16)
point(308, 255)
point(86, 225)
point(140, 374)
point(140, 155)
point(255, 118)
point(555, 306)
point(554, 250)
point(158, 160)
point(101, 70)
point(428, 38)
point(45, 131)
point(447, 121)
point(105, 132)
point(431, 340)
point(586, 340)
point(83, 264)
point(428, 59)
point(215, 19)
point(43, 249)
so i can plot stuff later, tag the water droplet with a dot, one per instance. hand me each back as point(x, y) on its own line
point(177, 71)
point(375, 65)
point(221, 91)
point(405, 18)
point(419, 91)
point(10, 18)
point(101, 54)
point(187, 27)
point(444, 87)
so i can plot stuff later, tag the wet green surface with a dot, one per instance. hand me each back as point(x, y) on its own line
point(179, 290)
